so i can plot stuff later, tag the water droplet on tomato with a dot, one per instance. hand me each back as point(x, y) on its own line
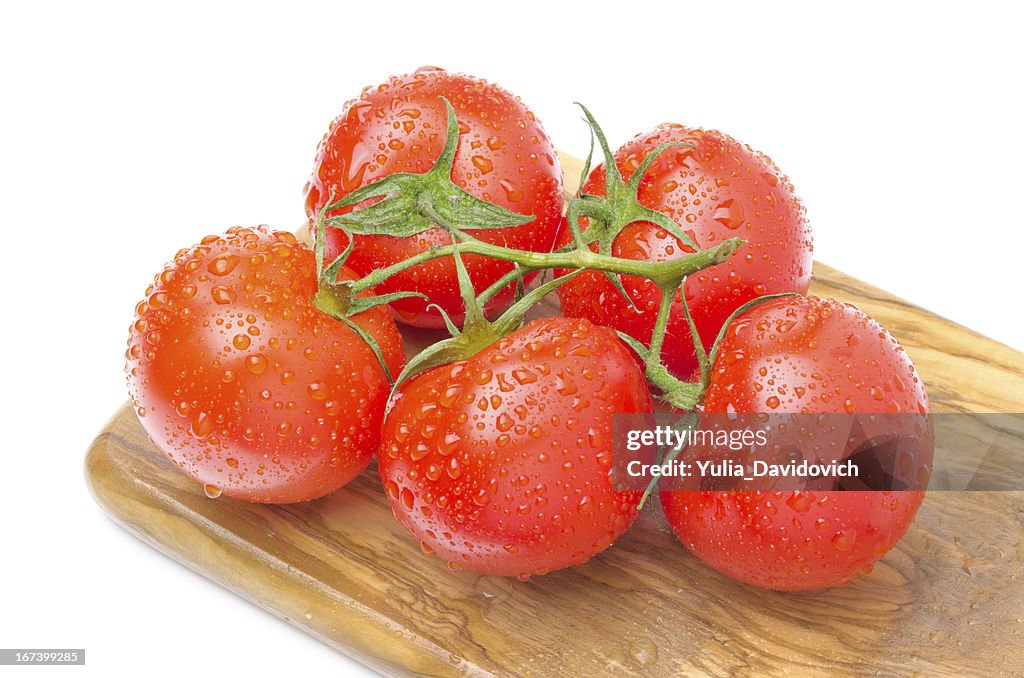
point(157, 300)
point(844, 539)
point(419, 451)
point(201, 425)
point(317, 390)
point(256, 363)
point(223, 264)
point(512, 192)
point(447, 445)
point(524, 376)
point(483, 164)
point(453, 468)
point(223, 295)
point(586, 504)
point(729, 214)
point(799, 502)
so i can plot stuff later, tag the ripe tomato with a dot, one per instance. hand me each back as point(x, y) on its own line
point(504, 157)
point(246, 385)
point(718, 190)
point(502, 463)
point(802, 355)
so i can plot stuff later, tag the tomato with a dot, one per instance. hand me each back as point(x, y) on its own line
point(718, 190)
point(242, 382)
point(501, 463)
point(802, 355)
point(504, 157)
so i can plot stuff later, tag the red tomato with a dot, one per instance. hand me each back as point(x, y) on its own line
point(247, 386)
point(720, 189)
point(504, 157)
point(501, 464)
point(802, 355)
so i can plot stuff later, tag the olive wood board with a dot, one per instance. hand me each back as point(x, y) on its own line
point(948, 600)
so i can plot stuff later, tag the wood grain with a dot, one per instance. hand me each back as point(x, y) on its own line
point(947, 601)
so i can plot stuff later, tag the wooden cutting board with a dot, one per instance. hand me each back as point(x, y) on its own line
point(948, 600)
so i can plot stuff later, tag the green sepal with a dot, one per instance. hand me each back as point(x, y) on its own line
point(621, 204)
point(512, 319)
point(586, 164)
point(634, 344)
point(612, 176)
point(318, 240)
point(572, 217)
point(336, 299)
point(613, 278)
point(449, 325)
point(662, 220)
point(396, 215)
point(619, 207)
point(520, 290)
point(475, 338)
point(330, 274)
point(698, 345)
point(372, 343)
point(414, 203)
point(474, 314)
point(360, 304)
point(713, 356)
point(516, 275)
point(465, 212)
point(442, 353)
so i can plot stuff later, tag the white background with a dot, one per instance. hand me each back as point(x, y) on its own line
point(130, 131)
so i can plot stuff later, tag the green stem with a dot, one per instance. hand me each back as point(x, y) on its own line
point(660, 325)
point(662, 273)
point(659, 272)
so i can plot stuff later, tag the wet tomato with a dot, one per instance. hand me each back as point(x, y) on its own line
point(802, 355)
point(501, 464)
point(244, 383)
point(504, 157)
point(718, 189)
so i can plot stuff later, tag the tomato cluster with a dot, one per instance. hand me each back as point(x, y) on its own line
point(269, 376)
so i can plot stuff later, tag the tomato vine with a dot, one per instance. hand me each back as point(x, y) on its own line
point(406, 204)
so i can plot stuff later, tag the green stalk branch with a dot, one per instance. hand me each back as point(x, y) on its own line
point(662, 273)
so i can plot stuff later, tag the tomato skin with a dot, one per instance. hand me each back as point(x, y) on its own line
point(504, 157)
point(721, 189)
point(803, 355)
point(243, 383)
point(501, 464)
